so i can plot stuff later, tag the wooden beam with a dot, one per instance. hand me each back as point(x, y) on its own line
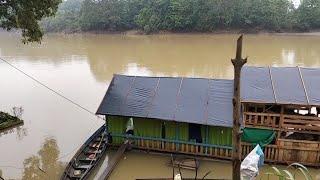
point(238, 63)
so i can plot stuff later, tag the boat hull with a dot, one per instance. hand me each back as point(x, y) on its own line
point(87, 157)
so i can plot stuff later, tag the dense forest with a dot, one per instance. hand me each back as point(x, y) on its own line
point(151, 16)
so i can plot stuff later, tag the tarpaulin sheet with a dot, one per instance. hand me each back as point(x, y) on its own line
point(256, 85)
point(139, 97)
point(281, 85)
point(220, 103)
point(115, 96)
point(288, 86)
point(311, 78)
point(191, 100)
point(208, 101)
point(165, 101)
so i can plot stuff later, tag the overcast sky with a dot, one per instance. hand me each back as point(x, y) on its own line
point(296, 3)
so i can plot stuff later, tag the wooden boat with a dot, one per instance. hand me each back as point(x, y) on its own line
point(87, 157)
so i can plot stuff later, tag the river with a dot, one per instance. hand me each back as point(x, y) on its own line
point(81, 67)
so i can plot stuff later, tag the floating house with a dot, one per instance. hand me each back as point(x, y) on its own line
point(194, 116)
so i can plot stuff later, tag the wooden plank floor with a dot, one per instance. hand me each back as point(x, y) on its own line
point(114, 161)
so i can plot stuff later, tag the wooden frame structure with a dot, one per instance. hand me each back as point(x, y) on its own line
point(282, 151)
point(298, 134)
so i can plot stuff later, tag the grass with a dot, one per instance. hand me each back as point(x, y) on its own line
point(7, 121)
point(285, 174)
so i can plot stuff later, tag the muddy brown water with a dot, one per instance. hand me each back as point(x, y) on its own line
point(81, 67)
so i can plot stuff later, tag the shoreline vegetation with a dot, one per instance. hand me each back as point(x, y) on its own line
point(225, 32)
point(184, 16)
point(8, 121)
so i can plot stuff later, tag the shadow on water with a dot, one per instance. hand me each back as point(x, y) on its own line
point(21, 132)
point(45, 164)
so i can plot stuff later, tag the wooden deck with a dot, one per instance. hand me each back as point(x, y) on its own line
point(114, 161)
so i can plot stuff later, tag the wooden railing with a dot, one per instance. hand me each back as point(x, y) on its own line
point(289, 151)
point(261, 119)
point(285, 152)
point(300, 123)
point(297, 123)
point(176, 146)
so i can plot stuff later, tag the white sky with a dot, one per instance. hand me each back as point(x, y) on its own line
point(296, 3)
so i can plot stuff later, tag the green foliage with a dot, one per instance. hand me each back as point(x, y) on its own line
point(286, 174)
point(25, 15)
point(108, 15)
point(66, 18)
point(7, 121)
point(308, 15)
point(152, 16)
point(6, 117)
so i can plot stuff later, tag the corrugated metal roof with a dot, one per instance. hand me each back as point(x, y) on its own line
point(208, 101)
point(281, 85)
point(191, 100)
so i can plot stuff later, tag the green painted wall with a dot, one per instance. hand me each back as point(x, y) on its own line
point(176, 131)
point(173, 130)
point(147, 127)
point(117, 125)
point(220, 135)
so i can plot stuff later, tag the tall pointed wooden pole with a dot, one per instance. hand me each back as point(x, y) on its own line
point(238, 62)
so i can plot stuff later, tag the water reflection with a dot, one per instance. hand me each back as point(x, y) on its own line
point(20, 131)
point(134, 69)
point(288, 57)
point(44, 165)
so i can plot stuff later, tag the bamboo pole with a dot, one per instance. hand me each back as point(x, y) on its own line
point(238, 62)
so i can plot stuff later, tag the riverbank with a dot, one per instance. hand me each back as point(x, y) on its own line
point(7, 121)
point(138, 32)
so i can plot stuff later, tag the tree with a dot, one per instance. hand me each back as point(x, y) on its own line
point(66, 18)
point(151, 16)
point(308, 14)
point(25, 15)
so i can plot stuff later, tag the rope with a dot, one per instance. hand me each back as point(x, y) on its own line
point(50, 89)
point(60, 95)
point(73, 150)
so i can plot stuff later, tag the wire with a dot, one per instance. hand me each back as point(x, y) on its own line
point(57, 93)
point(50, 89)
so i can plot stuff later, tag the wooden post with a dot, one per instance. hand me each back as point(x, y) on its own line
point(107, 129)
point(238, 62)
point(107, 125)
